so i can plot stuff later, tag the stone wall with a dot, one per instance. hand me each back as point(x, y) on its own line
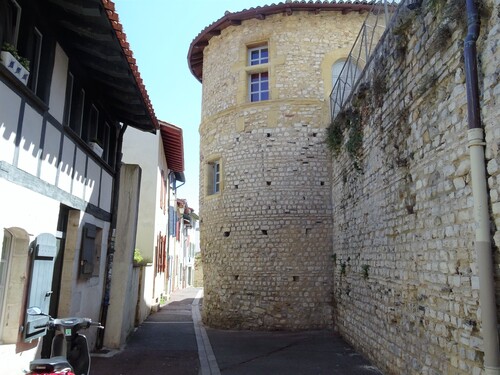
point(405, 276)
point(266, 237)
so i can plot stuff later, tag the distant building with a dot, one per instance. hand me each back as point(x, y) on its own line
point(161, 159)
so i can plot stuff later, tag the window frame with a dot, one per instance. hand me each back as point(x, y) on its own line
point(14, 30)
point(258, 72)
point(260, 60)
point(213, 177)
point(260, 94)
point(34, 77)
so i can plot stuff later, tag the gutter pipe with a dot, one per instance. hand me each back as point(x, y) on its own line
point(482, 242)
point(111, 240)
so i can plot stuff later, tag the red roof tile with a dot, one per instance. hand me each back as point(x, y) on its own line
point(173, 146)
point(122, 38)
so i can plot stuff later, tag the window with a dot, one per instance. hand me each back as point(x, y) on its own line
point(68, 99)
point(216, 176)
point(257, 56)
point(163, 192)
point(161, 253)
point(213, 174)
point(10, 19)
point(36, 56)
point(258, 75)
point(259, 87)
point(93, 126)
point(76, 111)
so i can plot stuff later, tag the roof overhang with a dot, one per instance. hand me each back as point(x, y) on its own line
point(173, 146)
point(195, 53)
point(90, 32)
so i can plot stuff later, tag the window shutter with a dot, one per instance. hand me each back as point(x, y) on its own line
point(44, 251)
point(87, 251)
point(171, 221)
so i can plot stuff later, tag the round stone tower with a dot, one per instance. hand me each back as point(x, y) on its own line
point(265, 194)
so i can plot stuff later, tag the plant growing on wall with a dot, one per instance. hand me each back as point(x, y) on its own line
point(349, 119)
point(139, 260)
point(365, 268)
point(343, 266)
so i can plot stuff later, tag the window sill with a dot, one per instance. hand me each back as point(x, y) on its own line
point(262, 68)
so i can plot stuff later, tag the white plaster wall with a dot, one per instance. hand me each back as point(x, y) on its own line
point(9, 116)
point(50, 154)
point(79, 178)
point(19, 202)
point(66, 165)
point(92, 182)
point(58, 84)
point(142, 148)
point(29, 148)
point(106, 191)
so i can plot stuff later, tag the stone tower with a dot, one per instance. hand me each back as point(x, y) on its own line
point(265, 194)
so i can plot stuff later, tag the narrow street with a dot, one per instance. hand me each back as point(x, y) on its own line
point(163, 344)
point(173, 341)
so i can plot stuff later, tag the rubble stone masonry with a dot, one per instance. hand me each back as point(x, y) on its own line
point(406, 285)
point(266, 236)
point(377, 238)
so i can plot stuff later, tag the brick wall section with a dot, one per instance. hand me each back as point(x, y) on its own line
point(405, 279)
point(266, 238)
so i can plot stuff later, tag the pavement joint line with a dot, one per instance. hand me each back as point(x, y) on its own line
point(208, 362)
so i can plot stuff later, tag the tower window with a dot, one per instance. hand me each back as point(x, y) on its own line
point(259, 87)
point(213, 174)
point(259, 55)
point(258, 75)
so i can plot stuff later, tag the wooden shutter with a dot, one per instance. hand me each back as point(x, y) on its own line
point(44, 251)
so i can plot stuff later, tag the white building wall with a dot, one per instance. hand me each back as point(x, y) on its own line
point(9, 110)
point(35, 179)
point(58, 85)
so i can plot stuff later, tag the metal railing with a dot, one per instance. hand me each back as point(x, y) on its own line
point(357, 62)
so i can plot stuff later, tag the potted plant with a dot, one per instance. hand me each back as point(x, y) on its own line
point(18, 65)
point(95, 145)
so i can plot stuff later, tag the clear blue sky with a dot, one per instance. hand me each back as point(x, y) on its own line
point(159, 33)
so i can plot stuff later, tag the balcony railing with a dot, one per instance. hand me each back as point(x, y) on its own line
point(372, 31)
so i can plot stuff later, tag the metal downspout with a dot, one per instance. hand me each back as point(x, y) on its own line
point(111, 240)
point(480, 194)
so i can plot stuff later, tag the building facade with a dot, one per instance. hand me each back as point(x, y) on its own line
point(265, 193)
point(160, 157)
point(61, 125)
point(409, 266)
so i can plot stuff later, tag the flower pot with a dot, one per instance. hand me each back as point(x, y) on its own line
point(96, 148)
point(15, 67)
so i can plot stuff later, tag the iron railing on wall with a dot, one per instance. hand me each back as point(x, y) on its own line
point(377, 21)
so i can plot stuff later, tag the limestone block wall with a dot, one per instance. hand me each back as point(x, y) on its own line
point(405, 276)
point(266, 236)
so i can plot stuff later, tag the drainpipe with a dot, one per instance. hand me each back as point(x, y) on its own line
point(480, 194)
point(111, 240)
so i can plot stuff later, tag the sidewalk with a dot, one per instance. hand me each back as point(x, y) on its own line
point(173, 341)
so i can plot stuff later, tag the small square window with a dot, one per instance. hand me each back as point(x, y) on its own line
point(258, 55)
